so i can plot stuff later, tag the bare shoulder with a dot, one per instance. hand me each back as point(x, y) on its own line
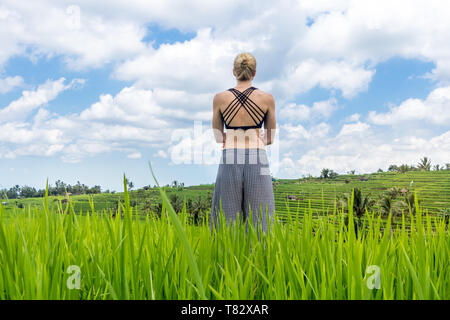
point(220, 97)
point(266, 97)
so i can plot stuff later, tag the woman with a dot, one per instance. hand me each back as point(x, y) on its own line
point(243, 182)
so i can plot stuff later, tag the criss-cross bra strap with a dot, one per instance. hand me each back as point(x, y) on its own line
point(242, 100)
point(234, 105)
point(253, 110)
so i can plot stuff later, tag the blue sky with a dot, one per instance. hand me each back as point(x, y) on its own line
point(95, 93)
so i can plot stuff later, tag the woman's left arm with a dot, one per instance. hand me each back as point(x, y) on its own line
point(217, 122)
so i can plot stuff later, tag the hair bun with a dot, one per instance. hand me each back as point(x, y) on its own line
point(244, 66)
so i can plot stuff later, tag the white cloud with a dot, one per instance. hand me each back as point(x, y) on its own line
point(134, 155)
point(369, 31)
point(173, 13)
point(80, 149)
point(345, 31)
point(203, 64)
point(353, 128)
point(130, 105)
point(316, 7)
point(331, 53)
point(353, 117)
point(294, 138)
point(350, 79)
point(37, 149)
point(366, 153)
point(95, 130)
point(32, 99)
point(320, 109)
point(295, 112)
point(298, 132)
point(161, 154)
point(435, 109)
point(9, 83)
point(21, 133)
point(366, 147)
point(158, 108)
point(50, 28)
point(363, 148)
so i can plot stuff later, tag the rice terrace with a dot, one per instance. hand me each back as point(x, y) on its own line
point(219, 159)
point(374, 236)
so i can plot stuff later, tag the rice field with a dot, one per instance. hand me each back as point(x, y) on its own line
point(93, 255)
point(433, 188)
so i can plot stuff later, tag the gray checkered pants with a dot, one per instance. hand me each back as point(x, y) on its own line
point(243, 184)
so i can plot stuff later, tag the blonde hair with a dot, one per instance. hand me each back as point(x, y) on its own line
point(244, 66)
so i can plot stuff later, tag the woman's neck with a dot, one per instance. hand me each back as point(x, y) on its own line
point(244, 84)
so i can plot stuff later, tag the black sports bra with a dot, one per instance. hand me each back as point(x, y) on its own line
point(242, 100)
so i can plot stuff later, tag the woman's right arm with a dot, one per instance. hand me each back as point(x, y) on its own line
point(270, 124)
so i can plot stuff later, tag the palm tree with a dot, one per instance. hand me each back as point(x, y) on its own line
point(176, 202)
point(392, 168)
point(445, 212)
point(405, 168)
point(425, 164)
point(130, 184)
point(437, 167)
point(409, 202)
point(387, 204)
point(324, 173)
point(360, 203)
point(332, 174)
point(393, 192)
point(157, 208)
point(198, 206)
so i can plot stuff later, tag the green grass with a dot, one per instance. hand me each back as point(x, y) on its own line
point(305, 257)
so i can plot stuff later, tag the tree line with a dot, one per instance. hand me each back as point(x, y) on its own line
point(423, 165)
point(59, 189)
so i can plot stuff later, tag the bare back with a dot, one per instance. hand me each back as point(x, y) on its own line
point(243, 113)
